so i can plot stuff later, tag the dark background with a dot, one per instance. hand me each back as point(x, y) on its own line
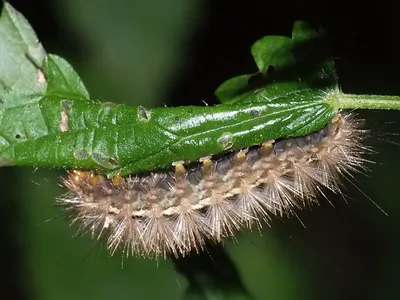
point(177, 52)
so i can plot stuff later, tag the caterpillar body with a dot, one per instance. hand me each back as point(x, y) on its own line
point(171, 213)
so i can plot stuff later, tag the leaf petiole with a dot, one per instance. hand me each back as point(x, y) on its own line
point(340, 100)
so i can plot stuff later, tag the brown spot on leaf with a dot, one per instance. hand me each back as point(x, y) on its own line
point(81, 154)
point(104, 160)
point(143, 114)
point(66, 104)
point(40, 76)
point(64, 122)
point(225, 141)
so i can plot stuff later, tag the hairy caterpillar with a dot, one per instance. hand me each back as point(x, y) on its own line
point(275, 142)
point(159, 214)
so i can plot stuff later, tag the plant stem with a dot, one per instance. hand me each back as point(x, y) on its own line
point(350, 101)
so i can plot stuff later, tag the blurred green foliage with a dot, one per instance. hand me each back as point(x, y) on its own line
point(132, 53)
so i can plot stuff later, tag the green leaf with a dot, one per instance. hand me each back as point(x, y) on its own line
point(233, 87)
point(280, 51)
point(114, 138)
point(273, 51)
point(20, 54)
point(25, 89)
point(62, 79)
point(284, 65)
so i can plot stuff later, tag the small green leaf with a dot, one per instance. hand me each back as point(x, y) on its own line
point(233, 86)
point(282, 52)
point(20, 53)
point(302, 31)
point(62, 79)
point(273, 51)
point(284, 65)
